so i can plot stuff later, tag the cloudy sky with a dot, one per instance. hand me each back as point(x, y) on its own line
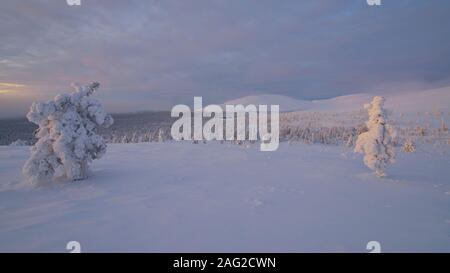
point(151, 55)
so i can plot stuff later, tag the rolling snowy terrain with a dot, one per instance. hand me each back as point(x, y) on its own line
point(419, 101)
point(212, 197)
point(181, 197)
point(426, 110)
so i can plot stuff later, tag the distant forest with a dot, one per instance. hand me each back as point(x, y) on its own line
point(124, 124)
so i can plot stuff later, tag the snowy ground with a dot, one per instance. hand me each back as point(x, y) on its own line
point(180, 197)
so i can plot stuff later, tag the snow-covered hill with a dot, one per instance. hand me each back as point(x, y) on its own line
point(286, 103)
point(431, 100)
point(419, 101)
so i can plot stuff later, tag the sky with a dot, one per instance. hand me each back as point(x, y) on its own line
point(152, 55)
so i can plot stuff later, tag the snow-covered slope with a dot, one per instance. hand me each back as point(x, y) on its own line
point(431, 100)
point(418, 101)
point(345, 103)
point(286, 103)
point(181, 197)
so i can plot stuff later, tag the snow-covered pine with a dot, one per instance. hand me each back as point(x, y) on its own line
point(116, 138)
point(160, 135)
point(67, 135)
point(443, 128)
point(135, 138)
point(141, 138)
point(125, 139)
point(408, 146)
point(376, 144)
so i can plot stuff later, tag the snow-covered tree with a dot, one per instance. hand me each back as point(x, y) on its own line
point(67, 135)
point(376, 144)
point(124, 139)
point(160, 135)
point(408, 146)
point(443, 128)
point(135, 138)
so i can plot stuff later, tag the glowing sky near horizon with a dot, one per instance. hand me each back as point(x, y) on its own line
point(7, 87)
point(151, 55)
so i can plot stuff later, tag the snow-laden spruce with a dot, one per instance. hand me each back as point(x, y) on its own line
point(67, 135)
point(376, 144)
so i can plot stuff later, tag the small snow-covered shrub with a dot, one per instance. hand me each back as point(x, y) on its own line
point(67, 135)
point(160, 135)
point(408, 146)
point(443, 128)
point(421, 131)
point(376, 144)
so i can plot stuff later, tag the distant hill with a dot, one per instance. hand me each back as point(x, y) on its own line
point(418, 101)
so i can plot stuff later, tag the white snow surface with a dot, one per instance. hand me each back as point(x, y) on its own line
point(181, 197)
